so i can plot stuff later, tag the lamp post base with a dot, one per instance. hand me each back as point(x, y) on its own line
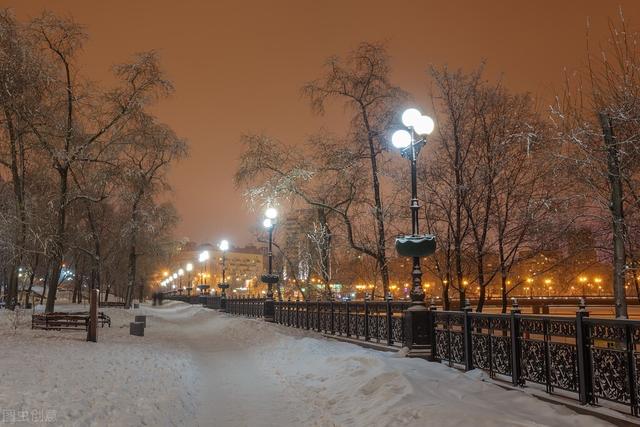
point(417, 331)
point(269, 311)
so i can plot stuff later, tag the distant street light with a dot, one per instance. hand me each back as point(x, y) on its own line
point(224, 247)
point(189, 268)
point(270, 279)
point(203, 258)
point(180, 274)
point(415, 245)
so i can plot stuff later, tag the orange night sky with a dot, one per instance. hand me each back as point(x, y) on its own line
point(238, 65)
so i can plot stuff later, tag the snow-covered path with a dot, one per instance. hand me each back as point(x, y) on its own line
point(234, 391)
point(196, 367)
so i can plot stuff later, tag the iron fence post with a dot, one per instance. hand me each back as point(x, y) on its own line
point(366, 321)
point(466, 331)
point(515, 343)
point(432, 328)
point(631, 372)
point(389, 321)
point(585, 380)
point(332, 320)
point(306, 314)
point(347, 326)
point(318, 314)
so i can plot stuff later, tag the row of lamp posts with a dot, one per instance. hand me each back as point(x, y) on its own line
point(203, 257)
point(177, 277)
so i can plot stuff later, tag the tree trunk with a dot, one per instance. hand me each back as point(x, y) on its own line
point(96, 271)
point(503, 292)
point(481, 284)
point(45, 281)
point(131, 277)
point(617, 216)
point(34, 268)
point(446, 302)
point(58, 249)
point(381, 243)
point(17, 157)
point(457, 236)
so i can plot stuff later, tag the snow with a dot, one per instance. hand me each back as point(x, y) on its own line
point(196, 367)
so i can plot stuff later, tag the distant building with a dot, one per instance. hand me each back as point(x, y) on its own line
point(243, 266)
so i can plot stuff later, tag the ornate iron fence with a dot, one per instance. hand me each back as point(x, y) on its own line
point(594, 359)
point(249, 307)
point(373, 321)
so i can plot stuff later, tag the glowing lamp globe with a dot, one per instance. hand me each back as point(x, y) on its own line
point(410, 117)
point(401, 139)
point(181, 272)
point(189, 267)
point(424, 125)
point(267, 223)
point(224, 245)
point(271, 213)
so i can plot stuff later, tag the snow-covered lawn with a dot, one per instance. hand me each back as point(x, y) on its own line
point(196, 367)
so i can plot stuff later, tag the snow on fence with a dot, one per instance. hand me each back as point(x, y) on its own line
point(587, 359)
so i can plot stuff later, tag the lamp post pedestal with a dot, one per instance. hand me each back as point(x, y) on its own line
point(223, 296)
point(269, 304)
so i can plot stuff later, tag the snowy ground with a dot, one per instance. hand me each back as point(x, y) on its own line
point(195, 367)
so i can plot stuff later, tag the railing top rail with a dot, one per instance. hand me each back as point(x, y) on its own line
point(539, 317)
point(611, 322)
point(495, 315)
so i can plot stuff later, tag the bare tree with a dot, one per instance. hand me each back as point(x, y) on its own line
point(599, 125)
point(361, 82)
point(150, 148)
point(78, 120)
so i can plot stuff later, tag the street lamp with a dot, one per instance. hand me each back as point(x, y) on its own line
point(180, 274)
point(270, 279)
point(224, 247)
point(409, 141)
point(189, 268)
point(203, 258)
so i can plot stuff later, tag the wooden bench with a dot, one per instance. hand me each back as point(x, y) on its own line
point(74, 320)
point(103, 319)
point(58, 321)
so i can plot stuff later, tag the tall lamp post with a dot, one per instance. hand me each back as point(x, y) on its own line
point(224, 247)
point(415, 245)
point(203, 258)
point(180, 274)
point(270, 279)
point(409, 141)
point(189, 268)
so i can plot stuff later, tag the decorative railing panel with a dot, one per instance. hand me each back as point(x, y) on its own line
point(376, 321)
